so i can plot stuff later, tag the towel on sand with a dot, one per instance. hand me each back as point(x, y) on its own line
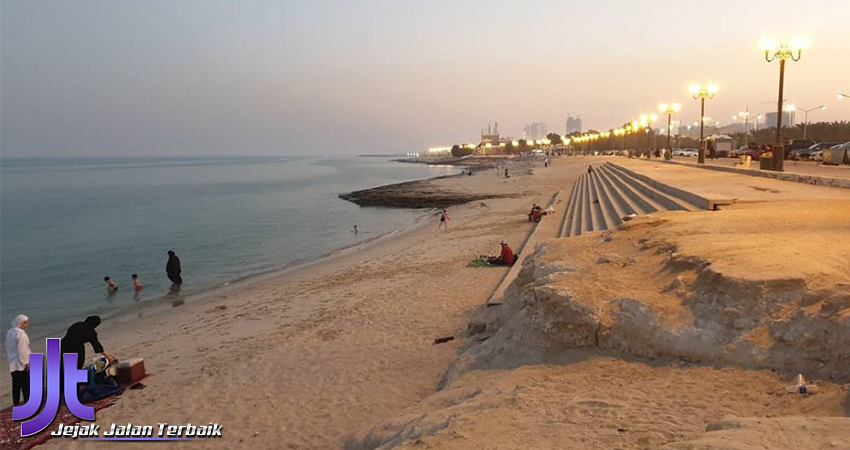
point(478, 262)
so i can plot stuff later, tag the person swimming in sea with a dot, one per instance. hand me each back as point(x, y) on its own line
point(111, 287)
point(137, 283)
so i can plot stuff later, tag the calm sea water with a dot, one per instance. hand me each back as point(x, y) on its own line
point(67, 223)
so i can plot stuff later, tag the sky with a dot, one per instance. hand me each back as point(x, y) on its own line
point(252, 77)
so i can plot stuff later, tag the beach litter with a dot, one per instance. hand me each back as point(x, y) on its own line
point(443, 339)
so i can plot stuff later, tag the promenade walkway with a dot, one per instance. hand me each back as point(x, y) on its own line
point(740, 187)
point(800, 167)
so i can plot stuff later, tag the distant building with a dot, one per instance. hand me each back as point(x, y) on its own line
point(787, 119)
point(491, 136)
point(536, 130)
point(573, 124)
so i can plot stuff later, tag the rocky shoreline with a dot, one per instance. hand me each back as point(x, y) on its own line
point(435, 192)
point(415, 194)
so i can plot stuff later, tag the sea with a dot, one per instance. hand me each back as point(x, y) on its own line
point(67, 223)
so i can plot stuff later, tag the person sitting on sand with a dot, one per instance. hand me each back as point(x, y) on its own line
point(536, 213)
point(110, 285)
point(137, 283)
point(444, 220)
point(506, 258)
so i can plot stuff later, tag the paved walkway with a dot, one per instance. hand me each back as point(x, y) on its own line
point(717, 184)
point(800, 167)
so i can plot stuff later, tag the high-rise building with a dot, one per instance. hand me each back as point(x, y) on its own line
point(787, 119)
point(573, 124)
point(536, 130)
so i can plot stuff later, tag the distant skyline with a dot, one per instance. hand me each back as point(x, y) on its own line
point(252, 77)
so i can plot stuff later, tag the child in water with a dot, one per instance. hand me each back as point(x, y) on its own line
point(137, 283)
point(110, 285)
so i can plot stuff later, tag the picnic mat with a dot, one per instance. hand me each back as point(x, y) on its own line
point(10, 431)
point(478, 263)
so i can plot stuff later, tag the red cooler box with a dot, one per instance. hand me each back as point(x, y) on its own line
point(131, 371)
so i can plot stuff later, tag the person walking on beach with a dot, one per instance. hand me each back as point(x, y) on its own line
point(444, 220)
point(18, 354)
point(172, 268)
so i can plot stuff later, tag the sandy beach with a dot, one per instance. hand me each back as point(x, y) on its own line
point(307, 358)
point(341, 353)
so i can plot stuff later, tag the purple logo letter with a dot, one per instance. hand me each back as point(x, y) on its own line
point(51, 405)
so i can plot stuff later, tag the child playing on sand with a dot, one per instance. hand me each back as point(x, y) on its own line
point(111, 287)
point(137, 283)
point(444, 220)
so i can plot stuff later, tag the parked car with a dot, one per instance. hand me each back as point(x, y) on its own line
point(753, 153)
point(806, 153)
point(691, 152)
point(839, 154)
point(797, 144)
point(816, 155)
point(737, 151)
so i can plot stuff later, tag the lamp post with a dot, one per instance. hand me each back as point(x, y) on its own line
point(772, 51)
point(745, 115)
point(669, 109)
point(622, 133)
point(806, 117)
point(702, 92)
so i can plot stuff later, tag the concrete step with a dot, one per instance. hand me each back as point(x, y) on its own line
point(621, 201)
point(581, 222)
point(688, 199)
point(664, 201)
point(611, 214)
point(574, 225)
point(640, 203)
point(563, 230)
point(600, 199)
point(596, 198)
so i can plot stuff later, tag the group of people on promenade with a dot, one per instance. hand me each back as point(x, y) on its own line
point(18, 343)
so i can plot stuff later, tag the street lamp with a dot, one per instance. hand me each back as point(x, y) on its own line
point(702, 92)
point(669, 109)
point(745, 115)
point(806, 117)
point(772, 51)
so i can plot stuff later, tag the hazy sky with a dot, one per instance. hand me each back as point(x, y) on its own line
point(208, 77)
